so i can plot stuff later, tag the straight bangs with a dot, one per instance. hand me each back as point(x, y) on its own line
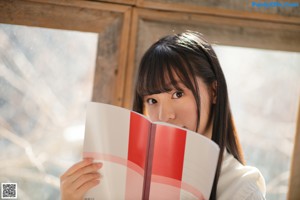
point(161, 70)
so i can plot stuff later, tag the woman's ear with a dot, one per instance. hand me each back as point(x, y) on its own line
point(214, 86)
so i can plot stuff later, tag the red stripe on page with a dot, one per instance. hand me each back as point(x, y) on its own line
point(138, 139)
point(178, 184)
point(134, 183)
point(169, 151)
point(114, 159)
point(158, 179)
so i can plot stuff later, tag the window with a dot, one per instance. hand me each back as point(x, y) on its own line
point(46, 79)
point(264, 93)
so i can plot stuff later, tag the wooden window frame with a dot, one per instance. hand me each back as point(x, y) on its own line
point(58, 15)
point(39, 15)
point(267, 42)
point(222, 12)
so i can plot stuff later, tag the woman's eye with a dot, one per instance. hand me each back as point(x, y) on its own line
point(151, 101)
point(177, 95)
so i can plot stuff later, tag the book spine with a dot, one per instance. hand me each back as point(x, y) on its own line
point(148, 163)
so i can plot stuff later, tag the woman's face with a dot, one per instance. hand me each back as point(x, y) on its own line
point(179, 108)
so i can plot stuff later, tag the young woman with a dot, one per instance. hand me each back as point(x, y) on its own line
point(180, 81)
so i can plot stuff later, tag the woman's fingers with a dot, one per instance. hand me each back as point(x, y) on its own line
point(91, 168)
point(77, 166)
point(86, 178)
point(80, 178)
point(88, 185)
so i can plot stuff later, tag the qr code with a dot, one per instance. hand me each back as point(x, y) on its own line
point(9, 190)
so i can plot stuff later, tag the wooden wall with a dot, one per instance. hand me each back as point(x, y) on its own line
point(126, 28)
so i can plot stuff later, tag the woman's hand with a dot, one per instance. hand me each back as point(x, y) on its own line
point(79, 178)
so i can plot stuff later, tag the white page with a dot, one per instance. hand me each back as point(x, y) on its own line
point(107, 139)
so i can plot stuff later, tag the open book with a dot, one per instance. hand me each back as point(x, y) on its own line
point(146, 160)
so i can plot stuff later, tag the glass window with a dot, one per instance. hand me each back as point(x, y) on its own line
point(264, 90)
point(46, 79)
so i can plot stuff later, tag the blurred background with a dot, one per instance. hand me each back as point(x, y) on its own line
point(46, 79)
point(51, 65)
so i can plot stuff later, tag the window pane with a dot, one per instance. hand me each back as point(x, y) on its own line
point(46, 79)
point(264, 89)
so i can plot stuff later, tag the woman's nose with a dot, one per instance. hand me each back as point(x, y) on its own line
point(166, 113)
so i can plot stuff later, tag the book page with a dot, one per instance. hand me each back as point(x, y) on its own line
point(118, 138)
point(144, 160)
point(184, 164)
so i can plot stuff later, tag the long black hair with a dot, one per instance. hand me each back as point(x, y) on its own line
point(189, 55)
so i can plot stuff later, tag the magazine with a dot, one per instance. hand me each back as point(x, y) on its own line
point(146, 160)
